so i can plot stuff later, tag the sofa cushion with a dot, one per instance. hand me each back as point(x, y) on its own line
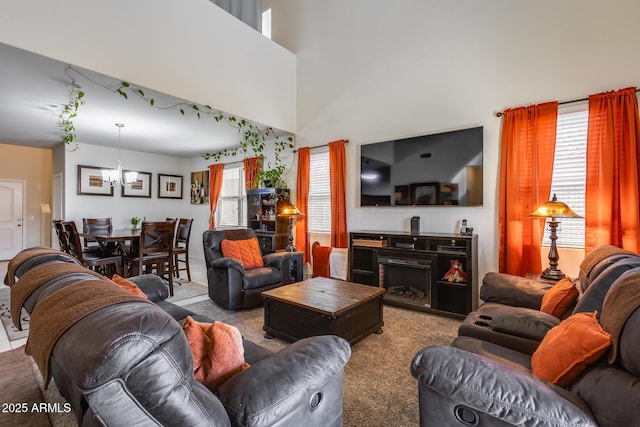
point(260, 277)
point(569, 348)
point(559, 298)
point(246, 251)
point(593, 298)
point(154, 286)
point(217, 350)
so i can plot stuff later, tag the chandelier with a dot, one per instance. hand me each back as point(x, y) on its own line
point(115, 177)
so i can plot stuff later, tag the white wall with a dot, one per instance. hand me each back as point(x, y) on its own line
point(374, 70)
point(119, 208)
point(190, 49)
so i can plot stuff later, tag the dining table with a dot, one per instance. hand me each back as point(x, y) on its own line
point(121, 240)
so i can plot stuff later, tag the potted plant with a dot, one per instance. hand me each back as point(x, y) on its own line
point(272, 177)
point(135, 222)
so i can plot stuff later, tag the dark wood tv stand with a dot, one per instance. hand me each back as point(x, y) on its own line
point(413, 268)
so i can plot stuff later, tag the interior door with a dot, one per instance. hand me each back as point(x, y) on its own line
point(11, 224)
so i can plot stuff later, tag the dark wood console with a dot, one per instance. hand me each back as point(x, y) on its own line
point(435, 272)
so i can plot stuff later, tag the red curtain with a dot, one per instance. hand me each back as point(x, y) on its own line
point(252, 166)
point(302, 203)
point(526, 166)
point(337, 177)
point(215, 184)
point(613, 191)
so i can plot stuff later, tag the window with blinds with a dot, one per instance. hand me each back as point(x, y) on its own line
point(319, 208)
point(232, 201)
point(569, 177)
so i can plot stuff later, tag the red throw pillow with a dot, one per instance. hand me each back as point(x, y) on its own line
point(247, 252)
point(128, 285)
point(569, 348)
point(217, 350)
point(559, 298)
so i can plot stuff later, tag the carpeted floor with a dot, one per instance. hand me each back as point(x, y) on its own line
point(20, 397)
point(378, 387)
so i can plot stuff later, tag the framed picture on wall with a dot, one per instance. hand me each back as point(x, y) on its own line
point(169, 186)
point(200, 188)
point(141, 187)
point(90, 181)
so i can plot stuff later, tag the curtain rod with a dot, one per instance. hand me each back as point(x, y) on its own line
point(346, 141)
point(572, 101)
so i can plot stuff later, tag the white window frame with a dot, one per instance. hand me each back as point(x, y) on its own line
point(237, 198)
point(319, 203)
point(569, 174)
point(266, 21)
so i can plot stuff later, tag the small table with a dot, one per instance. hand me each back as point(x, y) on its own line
point(322, 306)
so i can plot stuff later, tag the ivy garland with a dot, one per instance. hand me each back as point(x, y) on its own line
point(253, 137)
point(69, 111)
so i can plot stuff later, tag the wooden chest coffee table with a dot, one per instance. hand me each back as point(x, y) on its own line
point(321, 306)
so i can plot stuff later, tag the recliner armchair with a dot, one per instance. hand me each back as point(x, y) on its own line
point(230, 284)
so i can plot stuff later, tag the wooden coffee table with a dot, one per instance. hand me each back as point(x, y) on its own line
point(321, 306)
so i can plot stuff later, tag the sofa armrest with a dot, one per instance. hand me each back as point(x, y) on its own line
point(513, 290)
point(276, 259)
point(153, 286)
point(523, 322)
point(500, 391)
point(227, 263)
point(300, 385)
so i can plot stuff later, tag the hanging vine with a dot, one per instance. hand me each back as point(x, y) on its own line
point(69, 112)
point(252, 143)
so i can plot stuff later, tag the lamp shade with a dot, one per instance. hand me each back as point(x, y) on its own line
point(290, 210)
point(554, 209)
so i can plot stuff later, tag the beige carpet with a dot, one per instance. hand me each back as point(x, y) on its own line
point(20, 395)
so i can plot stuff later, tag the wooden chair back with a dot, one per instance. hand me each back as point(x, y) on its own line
point(62, 236)
point(73, 240)
point(183, 232)
point(156, 237)
point(95, 224)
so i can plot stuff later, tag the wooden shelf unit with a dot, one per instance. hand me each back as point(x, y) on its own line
point(412, 268)
point(263, 207)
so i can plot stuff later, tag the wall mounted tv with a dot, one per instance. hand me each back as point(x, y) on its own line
point(428, 170)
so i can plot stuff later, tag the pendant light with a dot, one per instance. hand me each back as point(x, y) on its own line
point(115, 177)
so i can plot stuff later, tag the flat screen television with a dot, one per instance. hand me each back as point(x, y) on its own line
point(442, 169)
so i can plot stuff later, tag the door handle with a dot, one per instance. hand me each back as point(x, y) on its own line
point(19, 225)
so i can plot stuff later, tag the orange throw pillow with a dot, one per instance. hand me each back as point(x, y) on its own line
point(569, 348)
point(247, 252)
point(128, 285)
point(559, 298)
point(217, 350)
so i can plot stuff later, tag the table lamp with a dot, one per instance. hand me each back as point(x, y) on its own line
point(553, 209)
point(290, 211)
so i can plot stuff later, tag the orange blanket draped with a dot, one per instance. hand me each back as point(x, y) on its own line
point(321, 261)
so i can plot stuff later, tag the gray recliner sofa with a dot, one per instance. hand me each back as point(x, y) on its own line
point(485, 379)
point(130, 364)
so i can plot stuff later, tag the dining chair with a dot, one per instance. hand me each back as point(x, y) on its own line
point(155, 251)
point(62, 236)
point(181, 247)
point(103, 262)
point(90, 225)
